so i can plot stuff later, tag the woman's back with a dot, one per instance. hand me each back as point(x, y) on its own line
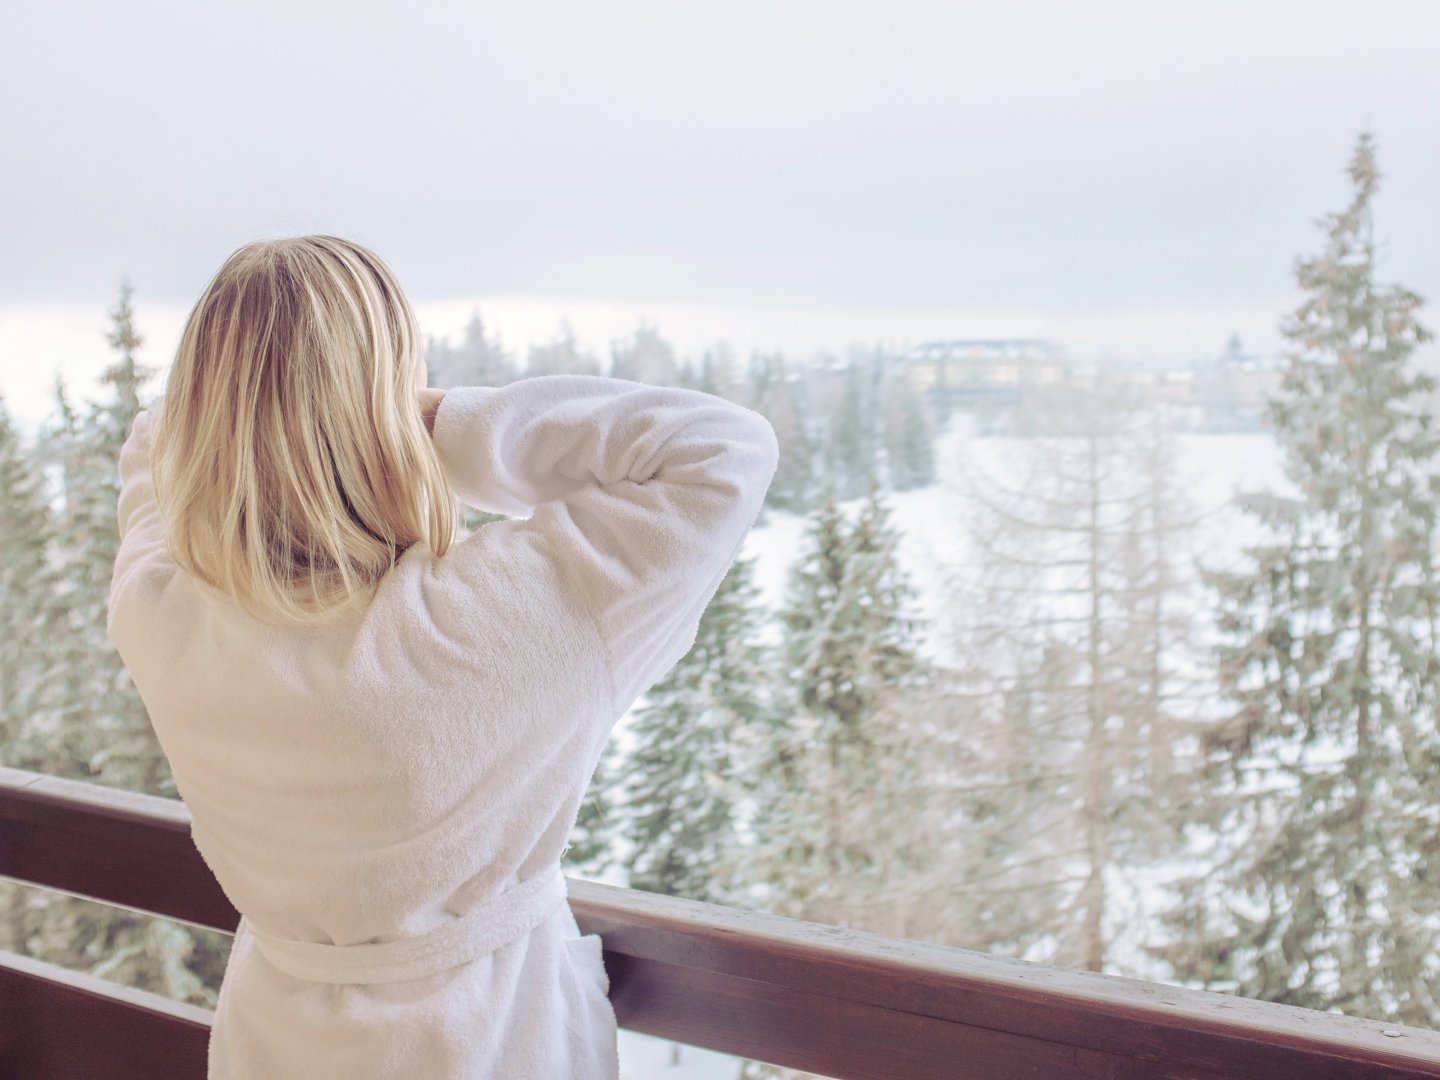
point(359, 787)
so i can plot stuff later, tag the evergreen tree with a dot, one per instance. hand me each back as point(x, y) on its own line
point(907, 433)
point(718, 374)
point(1327, 772)
point(31, 683)
point(563, 355)
point(105, 733)
point(884, 599)
point(789, 821)
point(101, 731)
point(851, 661)
point(645, 357)
point(480, 359)
point(775, 395)
point(895, 682)
point(684, 777)
point(851, 438)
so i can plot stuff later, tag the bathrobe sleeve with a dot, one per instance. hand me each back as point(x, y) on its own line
point(644, 495)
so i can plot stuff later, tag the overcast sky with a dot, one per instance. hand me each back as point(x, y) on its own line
point(1133, 179)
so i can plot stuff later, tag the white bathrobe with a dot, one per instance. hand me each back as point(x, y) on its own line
point(368, 795)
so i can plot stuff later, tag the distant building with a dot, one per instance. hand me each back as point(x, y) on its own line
point(973, 373)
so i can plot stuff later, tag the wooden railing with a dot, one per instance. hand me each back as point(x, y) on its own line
point(838, 1002)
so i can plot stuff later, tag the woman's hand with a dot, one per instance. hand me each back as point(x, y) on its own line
point(429, 402)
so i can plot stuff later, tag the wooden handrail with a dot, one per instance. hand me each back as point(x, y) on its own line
point(59, 1023)
point(835, 1001)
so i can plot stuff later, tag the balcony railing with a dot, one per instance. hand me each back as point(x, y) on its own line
point(839, 1002)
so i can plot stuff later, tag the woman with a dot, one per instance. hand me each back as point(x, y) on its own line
point(383, 735)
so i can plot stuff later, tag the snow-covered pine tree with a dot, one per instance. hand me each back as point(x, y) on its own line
point(685, 776)
point(69, 646)
point(884, 613)
point(851, 661)
point(105, 734)
point(775, 395)
point(907, 434)
point(31, 620)
point(851, 452)
point(562, 355)
point(900, 687)
point(479, 360)
point(644, 357)
point(787, 816)
point(1327, 772)
point(718, 374)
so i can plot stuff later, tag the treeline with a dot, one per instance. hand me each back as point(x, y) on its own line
point(837, 422)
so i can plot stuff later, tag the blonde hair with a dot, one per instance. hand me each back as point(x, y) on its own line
point(290, 458)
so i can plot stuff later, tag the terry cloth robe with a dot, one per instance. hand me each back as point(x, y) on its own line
point(386, 800)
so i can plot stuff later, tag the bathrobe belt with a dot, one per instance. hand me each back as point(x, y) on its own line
point(485, 927)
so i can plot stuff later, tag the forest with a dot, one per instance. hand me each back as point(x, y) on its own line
point(1257, 741)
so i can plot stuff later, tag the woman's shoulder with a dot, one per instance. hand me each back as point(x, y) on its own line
point(501, 592)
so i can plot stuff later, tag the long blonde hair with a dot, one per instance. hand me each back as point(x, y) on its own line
point(290, 458)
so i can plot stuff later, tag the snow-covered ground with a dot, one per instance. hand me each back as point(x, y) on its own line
point(931, 522)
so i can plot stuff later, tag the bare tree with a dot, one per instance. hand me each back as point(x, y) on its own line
point(1069, 614)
